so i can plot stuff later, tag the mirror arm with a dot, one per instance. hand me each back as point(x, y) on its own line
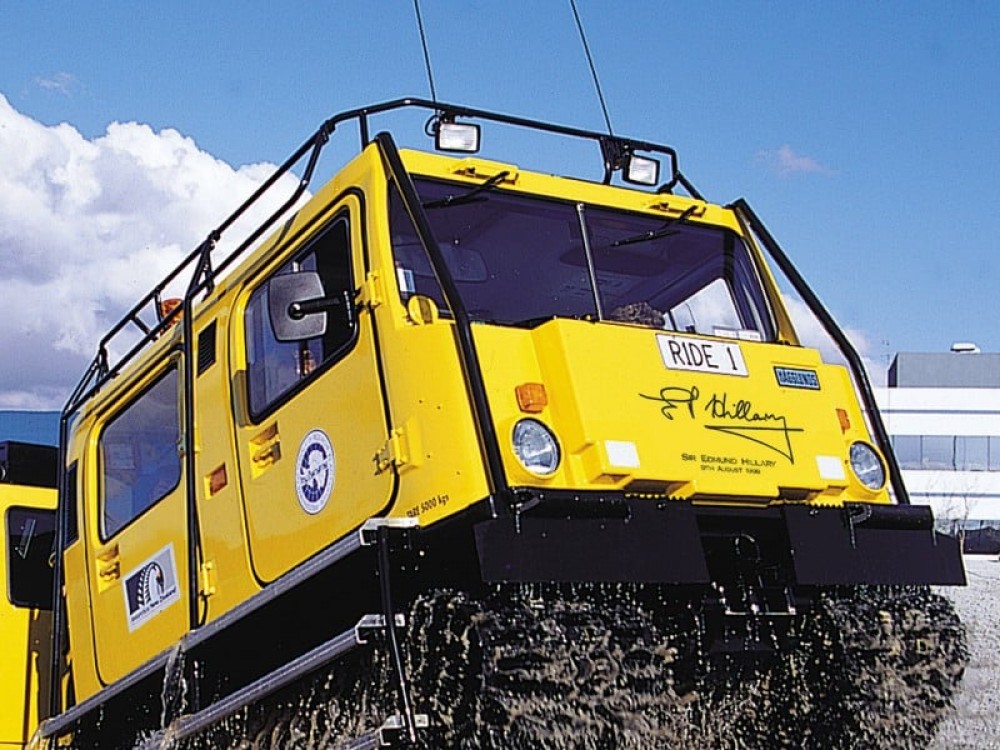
point(298, 310)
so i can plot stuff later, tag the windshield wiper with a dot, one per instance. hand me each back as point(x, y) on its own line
point(655, 234)
point(472, 195)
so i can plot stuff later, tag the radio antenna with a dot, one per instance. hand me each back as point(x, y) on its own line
point(427, 56)
point(593, 69)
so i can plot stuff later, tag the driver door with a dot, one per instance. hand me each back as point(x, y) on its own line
point(312, 401)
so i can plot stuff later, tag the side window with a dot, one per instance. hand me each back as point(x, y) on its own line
point(140, 460)
point(30, 538)
point(275, 368)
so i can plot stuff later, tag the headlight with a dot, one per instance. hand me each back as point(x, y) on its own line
point(536, 447)
point(867, 466)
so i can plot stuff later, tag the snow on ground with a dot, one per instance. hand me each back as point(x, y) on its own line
point(976, 723)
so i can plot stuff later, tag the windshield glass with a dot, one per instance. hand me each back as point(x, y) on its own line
point(519, 259)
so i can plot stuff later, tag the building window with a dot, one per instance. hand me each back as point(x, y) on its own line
point(972, 452)
point(994, 459)
point(947, 452)
point(937, 452)
point(907, 449)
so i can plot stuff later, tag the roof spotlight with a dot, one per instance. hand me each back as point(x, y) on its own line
point(456, 136)
point(641, 170)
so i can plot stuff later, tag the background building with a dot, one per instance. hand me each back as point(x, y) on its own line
point(942, 411)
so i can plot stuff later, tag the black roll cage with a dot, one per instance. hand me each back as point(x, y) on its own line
point(198, 270)
point(199, 266)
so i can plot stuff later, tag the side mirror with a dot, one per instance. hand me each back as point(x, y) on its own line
point(297, 306)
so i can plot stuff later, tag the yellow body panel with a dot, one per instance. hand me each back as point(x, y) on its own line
point(227, 578)
point(626, 420)
point(344, 404)
point(25, 634)
point(568, 189)
point(442, 471)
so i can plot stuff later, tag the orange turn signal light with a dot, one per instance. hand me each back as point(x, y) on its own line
point(531, 397)
point(217, 480)
point(845, 421)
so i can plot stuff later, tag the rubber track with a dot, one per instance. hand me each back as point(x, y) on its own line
point(604, 667)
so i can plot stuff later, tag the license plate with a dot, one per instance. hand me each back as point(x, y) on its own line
point(701, 355)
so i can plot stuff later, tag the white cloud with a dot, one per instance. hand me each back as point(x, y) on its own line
point(87, 227)
point(65, 83)
point(785, 161)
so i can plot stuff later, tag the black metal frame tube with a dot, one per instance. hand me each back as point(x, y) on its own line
point(854, 362)
point(589, 254)
point(389, 612)
point(463, 330)
point(58, 607)
point(315, 144)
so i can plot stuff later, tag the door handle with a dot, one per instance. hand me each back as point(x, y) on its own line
point(110, 572)
point(265, 449)
point(268, 453)
point(109, 566)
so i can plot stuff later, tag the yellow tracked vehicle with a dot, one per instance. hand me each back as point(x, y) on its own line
point(467, 455)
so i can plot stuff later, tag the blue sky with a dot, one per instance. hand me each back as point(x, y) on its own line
point(864, 134)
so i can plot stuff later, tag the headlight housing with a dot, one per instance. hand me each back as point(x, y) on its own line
point(536, 447)
point(867, 466)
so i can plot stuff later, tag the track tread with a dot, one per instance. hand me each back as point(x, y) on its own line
point(609, 667)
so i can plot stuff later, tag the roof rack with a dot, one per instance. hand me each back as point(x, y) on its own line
point(151, 317)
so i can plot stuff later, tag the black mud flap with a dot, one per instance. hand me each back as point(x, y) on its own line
point(871, 544)
point(650, 544)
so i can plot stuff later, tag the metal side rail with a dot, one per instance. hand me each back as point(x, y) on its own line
point(190, 644)
point(391, 734)
point(380, 531)
point(185, 726)
point(58, 725)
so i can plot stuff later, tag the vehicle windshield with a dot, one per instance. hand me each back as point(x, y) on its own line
point(519, 259)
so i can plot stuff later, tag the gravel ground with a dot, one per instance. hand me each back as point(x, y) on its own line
point(976, 723)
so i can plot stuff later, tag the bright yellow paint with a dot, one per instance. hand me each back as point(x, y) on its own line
point(25, 634)
point(609, 383)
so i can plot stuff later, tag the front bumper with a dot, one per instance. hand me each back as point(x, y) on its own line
point(582, 538)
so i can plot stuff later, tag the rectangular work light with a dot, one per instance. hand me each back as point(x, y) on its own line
point(641, 170)
point(457, 136)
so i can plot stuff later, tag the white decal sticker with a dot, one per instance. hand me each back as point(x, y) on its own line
point(622, 453)
point(404, 277)
point(830, 467)
point(151, 588)
point(315, 470)
point(701, 355)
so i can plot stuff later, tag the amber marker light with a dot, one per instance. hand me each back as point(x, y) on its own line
point(531, 397)
point(845, 421)
point(217, 480)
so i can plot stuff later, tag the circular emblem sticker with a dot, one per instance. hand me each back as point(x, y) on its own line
point(315, 468)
